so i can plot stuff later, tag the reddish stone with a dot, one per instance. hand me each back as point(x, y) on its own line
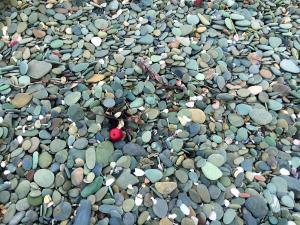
point(198, 3)
point(29, 175)
point(260, 178)
point(61, 10)
point(38, 33)
point(244, 195)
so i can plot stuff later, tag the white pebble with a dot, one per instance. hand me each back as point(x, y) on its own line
point(96, 41)
point(185, 209)
point(138, 200)
point(184, 120)
point(20, 139)
point(291, 223)
point(228, 140)
point(172, 216)
point(235, 192)
point(3, 164)
point(69, 30)
point(296, 142)
point(226, 203)
point(190, 104)
point(165, 111)
point(195, 219)
point(118, 114)
point(109, 181)
point(284, 172)
point(101, 61)
point(213, 215)
point(138, 172)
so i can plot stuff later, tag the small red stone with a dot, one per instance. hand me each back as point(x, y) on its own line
point(198, 3)
point(12, 43)
point(244, 195)
point(260, 178)
point(116, 134)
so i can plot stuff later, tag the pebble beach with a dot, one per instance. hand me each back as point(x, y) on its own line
point(155, 112)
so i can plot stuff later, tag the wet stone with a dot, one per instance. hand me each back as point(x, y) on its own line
point(44, 178)
point(289, 66)
point(133, 150)
point(160, 207)
point(211, 171)
point(153, 175)
point(260, 116)
point(62, 211)
point(38, 69)
point(257, 206)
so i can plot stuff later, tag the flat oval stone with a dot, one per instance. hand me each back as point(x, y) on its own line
point(274, 105)
point(153, 175)
point(38, 69)
point(80, 67)
point(23, 68)
point(109, 102)
point(211, 171)
point(128, 205)
point(160, 207)
point(216, 159)
point(275, 42)
point(257, 206)
point(146, 136)
point(72, 98)
point(77, 176)
point(101, 24)
point(193, 19)
point(44, 178)
point(197, 115)
point(21, 99)
point(229, 216)
point(260, 116)
point(133, 149)
point(62, 211)
point(235, 120)
point(90, 158)
point(165, 188)
point(57, 145)
point(289, 66)
point(56, 44)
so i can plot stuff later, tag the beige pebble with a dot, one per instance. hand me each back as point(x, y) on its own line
point(198, 116)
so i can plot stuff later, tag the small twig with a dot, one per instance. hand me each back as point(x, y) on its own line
point(147, 68)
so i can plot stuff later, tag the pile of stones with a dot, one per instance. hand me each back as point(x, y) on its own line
point(207, 97)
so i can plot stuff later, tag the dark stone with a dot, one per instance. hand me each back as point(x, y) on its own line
point(134, 150)
point(257, 206)
point(248, 218)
